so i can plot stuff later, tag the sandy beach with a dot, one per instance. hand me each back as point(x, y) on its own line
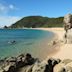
point(64, 50)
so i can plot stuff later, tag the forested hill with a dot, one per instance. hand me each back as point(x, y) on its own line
point(38, 21)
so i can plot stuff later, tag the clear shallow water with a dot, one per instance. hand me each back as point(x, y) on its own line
point(27, 41)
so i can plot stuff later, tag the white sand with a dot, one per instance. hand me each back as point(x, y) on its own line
point(65, 50)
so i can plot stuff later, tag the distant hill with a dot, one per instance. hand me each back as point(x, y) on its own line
point(38, 21)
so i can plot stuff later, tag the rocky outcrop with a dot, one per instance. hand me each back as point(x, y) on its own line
point(12, 64)
point(68, 26)
point(45, 66)
point(26, 63)
point(69, 36)
point(67, 22)
point(64, 66)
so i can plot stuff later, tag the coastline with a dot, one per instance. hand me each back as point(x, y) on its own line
point(60, 49)
point(44, 49)
point(64, 50)
point(61, 57)
point(54, 48)
point(58, 37)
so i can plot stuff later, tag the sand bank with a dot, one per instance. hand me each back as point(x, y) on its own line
point(64, 50)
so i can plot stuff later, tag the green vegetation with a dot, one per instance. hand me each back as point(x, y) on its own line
point(38, 21)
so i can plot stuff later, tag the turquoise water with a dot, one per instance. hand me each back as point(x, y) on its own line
point(26, 41)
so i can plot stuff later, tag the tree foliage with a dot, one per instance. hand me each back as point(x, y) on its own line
point(38, 21)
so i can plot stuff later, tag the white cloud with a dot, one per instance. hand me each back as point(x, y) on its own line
point(1, 7)
point(8, 20)
point(11, 6)
point(4, 9)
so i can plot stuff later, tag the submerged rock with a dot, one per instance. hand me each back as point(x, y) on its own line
point(12, 42)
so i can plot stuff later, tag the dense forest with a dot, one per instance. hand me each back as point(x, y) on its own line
point(38, 21)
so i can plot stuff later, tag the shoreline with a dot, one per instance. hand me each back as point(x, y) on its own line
point(44, 47)
point(64, 50)
point(61, 50)
point(59, 33)
point(53, 48)
point(60, 58)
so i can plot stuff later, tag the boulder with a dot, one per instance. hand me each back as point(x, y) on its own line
point(26, 63)
point(24, 60)
point(67, 22)
point(29, 60)
point(11, 59)
point(69, 36)
point(39, 67)
point(45, 66)
point(64, 66)
point(68, 27)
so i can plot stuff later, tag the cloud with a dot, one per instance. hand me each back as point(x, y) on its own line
point(5, 9)
point(8, 20)
point(11, 6)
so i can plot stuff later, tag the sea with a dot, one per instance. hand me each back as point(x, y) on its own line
point(14, 42)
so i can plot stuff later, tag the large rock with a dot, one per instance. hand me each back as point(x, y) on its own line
point(25, 60)
point(39, 67)
point(64, 66)
point(13, 64)
point(68, 27)
point(69, 36)
point(45, 66)
point(67, 21)
point(26, 63)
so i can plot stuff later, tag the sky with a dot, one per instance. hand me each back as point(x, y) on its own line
point(13, 10)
